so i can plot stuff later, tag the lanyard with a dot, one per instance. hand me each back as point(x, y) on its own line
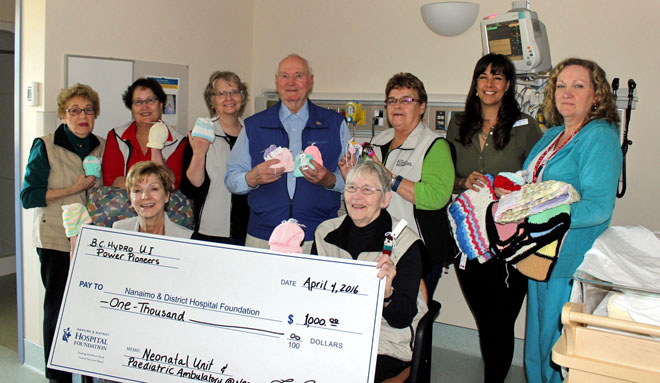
point(540, 163)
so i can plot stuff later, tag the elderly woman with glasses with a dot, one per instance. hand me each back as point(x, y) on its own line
point(136, 141)
point(362, 235)
point(54, 177)
point(419, 166)
point(220, 216)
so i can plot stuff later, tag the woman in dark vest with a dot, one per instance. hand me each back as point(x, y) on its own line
point(54, 177)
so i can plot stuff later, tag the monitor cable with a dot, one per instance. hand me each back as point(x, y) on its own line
point(626, 142)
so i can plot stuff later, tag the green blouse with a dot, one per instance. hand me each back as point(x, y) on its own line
point(524, 135)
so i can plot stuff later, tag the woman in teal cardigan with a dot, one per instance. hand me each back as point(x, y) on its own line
point(581, 148)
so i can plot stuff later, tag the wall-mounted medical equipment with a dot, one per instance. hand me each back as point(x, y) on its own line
point(519, 35)
point(632, 85)
point(373, 117)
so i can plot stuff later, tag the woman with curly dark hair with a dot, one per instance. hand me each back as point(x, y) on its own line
point(492, 136)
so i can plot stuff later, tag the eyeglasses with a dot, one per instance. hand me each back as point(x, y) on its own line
point(90, 111)
point(231, 93)
point(365, 190)
point(402, 100)
point(148, 101)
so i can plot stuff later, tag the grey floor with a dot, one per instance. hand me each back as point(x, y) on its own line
point(10, 370)
point(455, 356)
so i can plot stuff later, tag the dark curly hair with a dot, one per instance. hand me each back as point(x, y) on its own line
point(148, 83)
point(470, 121)
point(604, 102)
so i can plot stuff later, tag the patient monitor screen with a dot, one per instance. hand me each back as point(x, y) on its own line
point(504, 38)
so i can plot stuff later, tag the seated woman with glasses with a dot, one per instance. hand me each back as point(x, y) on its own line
point(149, 186)
point(219, 215)
point(136, 141)
point(363, 234)
point(419, 165)
point(54, 177)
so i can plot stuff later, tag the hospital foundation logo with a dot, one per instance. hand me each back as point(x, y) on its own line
point(91, 339)
point(66, 334)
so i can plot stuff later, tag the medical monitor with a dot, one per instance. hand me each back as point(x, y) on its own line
point(519, 35)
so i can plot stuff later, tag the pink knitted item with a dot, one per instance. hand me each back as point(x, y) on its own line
point(282, 154)
point(315, 152)
point(287, 237)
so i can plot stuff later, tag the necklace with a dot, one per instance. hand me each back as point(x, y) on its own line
point(543, 160)
point(484, 136)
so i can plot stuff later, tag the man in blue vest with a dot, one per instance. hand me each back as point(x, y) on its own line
point(294, 123)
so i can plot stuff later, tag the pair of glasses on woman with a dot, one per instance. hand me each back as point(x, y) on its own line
point(364, 190)
point(76, 111)
point(402, 100)
point(229, 93)
point(148, 101)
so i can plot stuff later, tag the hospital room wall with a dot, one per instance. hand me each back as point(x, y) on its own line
point(208, 36)
point(7, 11)
point(355, 46)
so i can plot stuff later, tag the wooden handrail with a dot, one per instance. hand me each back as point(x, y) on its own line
point(572, 315)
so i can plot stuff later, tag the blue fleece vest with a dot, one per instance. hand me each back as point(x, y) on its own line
point(311, 204)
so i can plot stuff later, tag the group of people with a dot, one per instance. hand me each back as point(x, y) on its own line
point(410, 173)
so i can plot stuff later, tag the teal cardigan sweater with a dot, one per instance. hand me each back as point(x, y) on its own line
point(591, 162)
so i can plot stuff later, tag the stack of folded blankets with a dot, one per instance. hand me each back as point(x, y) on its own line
point(525, 227)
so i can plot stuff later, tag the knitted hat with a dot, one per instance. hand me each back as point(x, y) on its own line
point(467, 217)
point(282, 154)
point(315, 152)
point(534, 198)
point(302, 161)
point(367, 151)
point(204, 129)
point(73, 217)
point(92, 166)
point(287, 237)
point(509, 181)
point(158, 135)
point(354, 148)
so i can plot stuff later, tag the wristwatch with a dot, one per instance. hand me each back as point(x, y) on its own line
point(397, 182)
point(393, 179)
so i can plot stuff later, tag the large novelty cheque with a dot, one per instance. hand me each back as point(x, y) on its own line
point(146, 308)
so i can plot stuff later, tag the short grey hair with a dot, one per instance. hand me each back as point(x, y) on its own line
point(309, 67)
point(370, 167)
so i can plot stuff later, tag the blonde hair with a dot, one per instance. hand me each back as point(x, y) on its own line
point(144, 169)
point(604, 102)
point(230, 77)
point(77, 90)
